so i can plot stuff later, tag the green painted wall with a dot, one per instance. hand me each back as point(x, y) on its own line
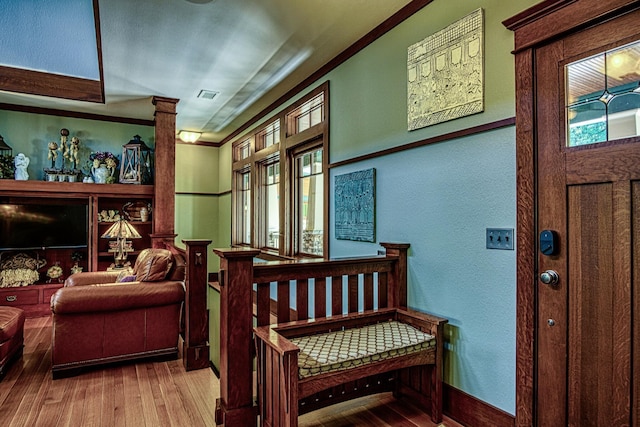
point(369, 91)
point(197, 200)
point(199, 215)
point(224, 220)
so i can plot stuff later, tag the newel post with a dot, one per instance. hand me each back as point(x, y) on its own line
point(195, 351)
point(235, 406)
point(398, 286)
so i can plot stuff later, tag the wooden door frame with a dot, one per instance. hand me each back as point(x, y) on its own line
point(541, 24)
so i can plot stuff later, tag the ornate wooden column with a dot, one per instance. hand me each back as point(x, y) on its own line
point(195, 351)
point(165, 165)
point(235, 407)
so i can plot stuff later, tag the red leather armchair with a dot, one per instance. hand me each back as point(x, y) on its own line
point(97, 320)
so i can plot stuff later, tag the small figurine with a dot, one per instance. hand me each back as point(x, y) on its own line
point(64, 133)
point(21, 161)
point(53, 153)
point(75, 147)
point(76, 257)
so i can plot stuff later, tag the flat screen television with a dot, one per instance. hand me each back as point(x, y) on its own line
point(35, 226)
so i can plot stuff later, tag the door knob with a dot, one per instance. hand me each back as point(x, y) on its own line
point(549, 277)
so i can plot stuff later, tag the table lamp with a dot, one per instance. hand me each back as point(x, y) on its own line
point(121, 230)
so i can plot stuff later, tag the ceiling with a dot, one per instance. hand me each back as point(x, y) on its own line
point(251, 52)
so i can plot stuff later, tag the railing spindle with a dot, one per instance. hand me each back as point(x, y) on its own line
point(382, 291)
point(368, 291)
point(284, 302)
point(320, 297)
point(263, 305)
point(302, 299)
point(336, 295)
point(353, 293)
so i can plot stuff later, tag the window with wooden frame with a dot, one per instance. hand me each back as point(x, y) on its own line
point(268, 136)
point(307, 115)
point(280, 183)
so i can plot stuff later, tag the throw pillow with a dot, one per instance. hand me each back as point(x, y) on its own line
point(152, 265)
point(127, 272)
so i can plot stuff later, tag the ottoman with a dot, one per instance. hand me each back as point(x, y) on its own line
point(11, 336)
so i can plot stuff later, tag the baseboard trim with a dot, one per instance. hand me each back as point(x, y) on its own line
point(470, 411)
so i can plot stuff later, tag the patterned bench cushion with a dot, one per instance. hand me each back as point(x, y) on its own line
point(340, 350)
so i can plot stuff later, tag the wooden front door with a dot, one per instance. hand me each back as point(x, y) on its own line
point(587, 331)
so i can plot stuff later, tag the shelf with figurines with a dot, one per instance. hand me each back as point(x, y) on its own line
point(102, 167)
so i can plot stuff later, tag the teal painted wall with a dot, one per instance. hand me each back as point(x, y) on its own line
point(441, 197)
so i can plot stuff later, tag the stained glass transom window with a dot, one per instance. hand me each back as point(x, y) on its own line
point(603, 96)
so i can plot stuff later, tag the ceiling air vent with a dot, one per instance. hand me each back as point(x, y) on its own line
point(207, 94)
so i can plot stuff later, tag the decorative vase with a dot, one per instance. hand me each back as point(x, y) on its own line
point(100, 174)
point(144, 214)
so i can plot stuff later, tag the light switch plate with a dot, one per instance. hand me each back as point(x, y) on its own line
point(500, 238)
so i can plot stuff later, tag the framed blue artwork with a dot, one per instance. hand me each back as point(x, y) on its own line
point(355, 204)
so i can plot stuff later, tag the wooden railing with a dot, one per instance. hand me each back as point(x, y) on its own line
point(363, 284)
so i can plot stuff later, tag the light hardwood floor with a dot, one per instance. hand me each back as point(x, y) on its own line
point(151, 394)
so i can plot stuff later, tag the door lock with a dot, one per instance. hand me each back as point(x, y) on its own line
point(550, 278)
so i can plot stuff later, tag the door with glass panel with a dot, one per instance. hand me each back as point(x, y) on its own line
point(588, 220)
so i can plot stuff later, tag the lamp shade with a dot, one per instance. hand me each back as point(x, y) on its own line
point(121, 229)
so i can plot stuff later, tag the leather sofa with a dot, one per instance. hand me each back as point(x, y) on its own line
point(11, 336)
point(104, 317)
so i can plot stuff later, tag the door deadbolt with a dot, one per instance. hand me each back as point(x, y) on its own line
point(550, 278)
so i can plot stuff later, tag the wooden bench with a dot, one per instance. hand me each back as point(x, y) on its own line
point(299, 359)
point(291, 301)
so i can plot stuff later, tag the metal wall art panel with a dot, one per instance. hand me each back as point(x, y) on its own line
point(355, 202)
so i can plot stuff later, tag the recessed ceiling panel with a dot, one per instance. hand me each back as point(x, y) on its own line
point(53, 36)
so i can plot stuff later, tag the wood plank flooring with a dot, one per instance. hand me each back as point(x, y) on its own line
point(151, 394)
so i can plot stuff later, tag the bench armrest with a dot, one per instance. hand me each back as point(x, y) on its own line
point(274, 340)
point(429, 323)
